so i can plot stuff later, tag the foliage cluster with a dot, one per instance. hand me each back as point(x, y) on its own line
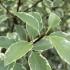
point(34, 34)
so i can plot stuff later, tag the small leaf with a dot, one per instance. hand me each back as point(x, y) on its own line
point(59, 33)
point(16, 51)
point(38, 16)
point(43, 44)
point(6, 42)
point(12, 66)
point(3, 18)
point(38, 62)
point(18, 67)
point(62, 46)
point(2, 66)
point(53, 20)
point(32, 32)
point(21, 32)
point(29, 19)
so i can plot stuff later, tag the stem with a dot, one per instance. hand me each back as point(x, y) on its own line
point(39, 38)
point(33, 5)
point(18, 5)
point(14, 17)
point(3, 5)
point(65, 66)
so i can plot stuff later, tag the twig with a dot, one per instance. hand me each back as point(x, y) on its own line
point(14, 17)
point(33, 5)
point(40, 37)
point(3, 5)
point(18, 5)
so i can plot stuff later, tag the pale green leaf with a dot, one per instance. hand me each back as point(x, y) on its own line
point(21, 32)
point(6, 42)
point(16, 51)
point(18, 67)
point(12, 66)
point(2, 66)
point(43, 44)
point(29, 19)
point(38, 16)
point(59, 33)
point(62, 46)
point(53, 20)
point(38, 62)
point(32, 32)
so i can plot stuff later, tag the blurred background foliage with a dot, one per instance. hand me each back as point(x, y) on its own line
point(14, 29)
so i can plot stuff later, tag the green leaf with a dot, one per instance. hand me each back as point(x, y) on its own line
point(21, 32)
point(62, 46)
point(2, 66)
point(16, 51)
point(3, 18)
point(38, 62)
point(12, 66)
point(6, 42)
point(38, 16)
point(43, 44)
point(53, 20)
point(32, 32)
point(59, 33)
point(18, 67)
point(29, 19)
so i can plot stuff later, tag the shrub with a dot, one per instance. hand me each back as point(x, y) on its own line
point(34, 35)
